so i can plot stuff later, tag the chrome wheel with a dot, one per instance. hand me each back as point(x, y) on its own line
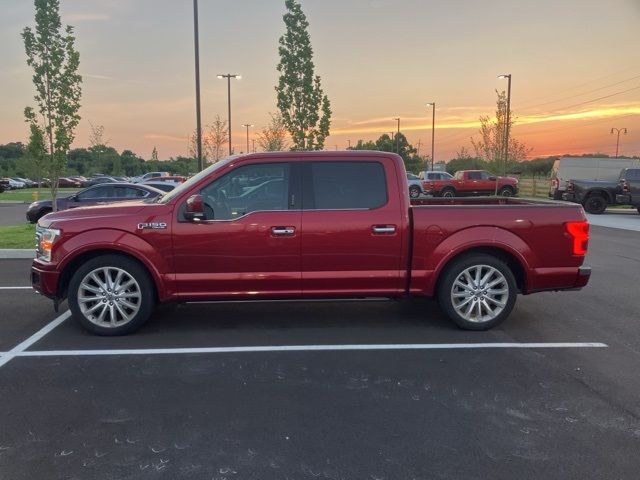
point(109, 297)
point(480, 293)
point(448, 194)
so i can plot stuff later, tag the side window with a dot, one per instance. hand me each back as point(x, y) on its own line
point(344, 185)
point(128, 192)
point(485, 175)
point(633, 175)
point(250, 188)
point(97, 192)
point(475, 175)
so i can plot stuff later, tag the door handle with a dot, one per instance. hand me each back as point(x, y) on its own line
point(283, 231)
point(384, 229)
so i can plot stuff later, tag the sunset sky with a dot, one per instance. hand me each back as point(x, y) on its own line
point(575, 67)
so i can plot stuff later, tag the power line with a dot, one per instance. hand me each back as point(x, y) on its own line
point(595, 99)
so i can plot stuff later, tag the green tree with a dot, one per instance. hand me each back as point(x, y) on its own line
point(305, 109)
point(396, 144)
point(51, 53)
point(36, 151)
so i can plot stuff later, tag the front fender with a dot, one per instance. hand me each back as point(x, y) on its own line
point(430, 261)
point(107, 239)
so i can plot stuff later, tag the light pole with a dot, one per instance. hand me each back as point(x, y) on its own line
point(398, 137)
point(253, 141)
point(506, 134)
point(229, 76)
point(196, 44)
point(247, 125)
point(349, 144)
point(433, 131)
point(618, 130)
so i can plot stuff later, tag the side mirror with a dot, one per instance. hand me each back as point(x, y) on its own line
point(195, 208)
point(493, 179)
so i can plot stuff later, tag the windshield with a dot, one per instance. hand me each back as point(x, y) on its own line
point(195, 179)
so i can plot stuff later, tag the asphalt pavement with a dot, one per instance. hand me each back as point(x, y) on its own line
point(77, 410)
point(12, 214)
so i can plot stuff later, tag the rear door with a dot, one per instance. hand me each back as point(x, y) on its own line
point(351, 229)
point(633, 179)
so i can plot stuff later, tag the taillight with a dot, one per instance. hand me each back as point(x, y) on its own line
point(569, 186)
point(579, 232)
point(625, 186)
point(555, 183)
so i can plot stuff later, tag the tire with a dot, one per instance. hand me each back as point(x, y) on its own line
point(414, 191)
point(454, 300)
point(114, 317)
point(595, 204)
point(448, 193)
point(506, 192)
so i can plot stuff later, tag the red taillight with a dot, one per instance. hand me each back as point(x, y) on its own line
point(625, 186)
point(555, 183)
point(569, 186)
point(579, 232)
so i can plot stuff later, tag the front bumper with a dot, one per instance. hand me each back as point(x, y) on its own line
point(43, 280)
point(32, 216)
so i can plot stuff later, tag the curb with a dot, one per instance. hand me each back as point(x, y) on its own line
point(13, 253)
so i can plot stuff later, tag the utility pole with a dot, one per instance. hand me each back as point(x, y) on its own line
point(247, 125)
point(618, 130)
point(433, 132)
point(253, 141)
point(398, 137)
point(196, 43)
point(229, 76)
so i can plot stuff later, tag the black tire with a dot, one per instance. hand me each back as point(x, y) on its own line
point(145, 305)
point(414, 191)
point(595, 204)
point(506, 192)
point(448, 193)
point(42, 213)
point(455, 270)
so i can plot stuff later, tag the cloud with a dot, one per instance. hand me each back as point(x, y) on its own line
point(160, 136)
point(99, 77)
point(86, 17)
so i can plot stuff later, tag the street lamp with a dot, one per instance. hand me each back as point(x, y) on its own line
point(398, 137)
point(196, 44)
point(229, 76)
point(247, 125)
point(618, 130)
point(506, 135)
point(433, 131)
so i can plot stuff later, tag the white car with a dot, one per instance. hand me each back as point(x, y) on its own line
point(415, 185)
point(15, 184)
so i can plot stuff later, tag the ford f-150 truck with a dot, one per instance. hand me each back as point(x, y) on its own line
point(306, 225)
point(466, 183)
point(596, 195)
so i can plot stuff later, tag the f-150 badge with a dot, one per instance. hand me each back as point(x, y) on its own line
point(152, 225)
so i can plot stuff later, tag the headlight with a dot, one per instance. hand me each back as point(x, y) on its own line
point(45, 238)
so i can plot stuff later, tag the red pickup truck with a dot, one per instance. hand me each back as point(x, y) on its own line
point(466, 183)
point(306, 225)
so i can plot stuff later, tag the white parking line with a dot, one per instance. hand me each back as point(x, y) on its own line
point(302, 348)
point(18, 349)
point(16, 288)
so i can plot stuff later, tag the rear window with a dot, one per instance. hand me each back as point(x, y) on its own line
point(347, 185)
point(633, 174)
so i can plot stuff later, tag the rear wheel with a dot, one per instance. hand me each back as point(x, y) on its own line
point(477, 292)
point(448, 193)
point(111, 295)
point(414, 191)
point(506, 192)
point(595, 204)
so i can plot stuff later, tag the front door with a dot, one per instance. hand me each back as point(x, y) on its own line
point(352, 229)
point(248, 245)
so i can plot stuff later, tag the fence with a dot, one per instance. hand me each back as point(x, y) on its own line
point(533, 187)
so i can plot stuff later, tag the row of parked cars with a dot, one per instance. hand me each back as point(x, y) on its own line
point(101, 189)
point(597, 183)
point(465, 183)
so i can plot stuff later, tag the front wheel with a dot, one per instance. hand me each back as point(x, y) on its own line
point(448, 193)
point(506, 192)
point(477, 292)
point(111, 295)
point(414, 191)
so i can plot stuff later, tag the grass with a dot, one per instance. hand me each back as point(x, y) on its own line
point(26, 194)
point(18, 236)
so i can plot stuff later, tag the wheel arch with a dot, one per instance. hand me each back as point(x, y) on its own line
point(601, 192)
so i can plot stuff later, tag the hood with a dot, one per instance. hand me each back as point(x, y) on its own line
point(110, 210)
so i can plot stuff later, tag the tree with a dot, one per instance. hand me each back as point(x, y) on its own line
point(273, 137)
point(193, 146)
point(491, 145)
point(305, 109)
point(216, 138)
point(51, 53)
point(396, 144)
point(154, 153)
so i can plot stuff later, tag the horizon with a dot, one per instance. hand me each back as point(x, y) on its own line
point(572, 82)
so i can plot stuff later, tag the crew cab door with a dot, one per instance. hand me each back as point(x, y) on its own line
point(352, 228)
point(248, 244)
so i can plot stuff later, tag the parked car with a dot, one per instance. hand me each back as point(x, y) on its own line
point(164, 186)
point(168, 178)
point(4, 185)
point(629, 187)
point(415, 185)
point(467, 183)
point(95, 195)
point(355, 233)
point(434, 175)
point(27, 182)
point(596, 195)
point(16, 184)
point(97, 180)
point(586, 168)
point(66, 182)
point(149, 176)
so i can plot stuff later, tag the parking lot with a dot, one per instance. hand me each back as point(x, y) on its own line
point(375, 390)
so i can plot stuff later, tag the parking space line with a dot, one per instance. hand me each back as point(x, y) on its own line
point(16, 288)
point(303, 348)
point(18, 349)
